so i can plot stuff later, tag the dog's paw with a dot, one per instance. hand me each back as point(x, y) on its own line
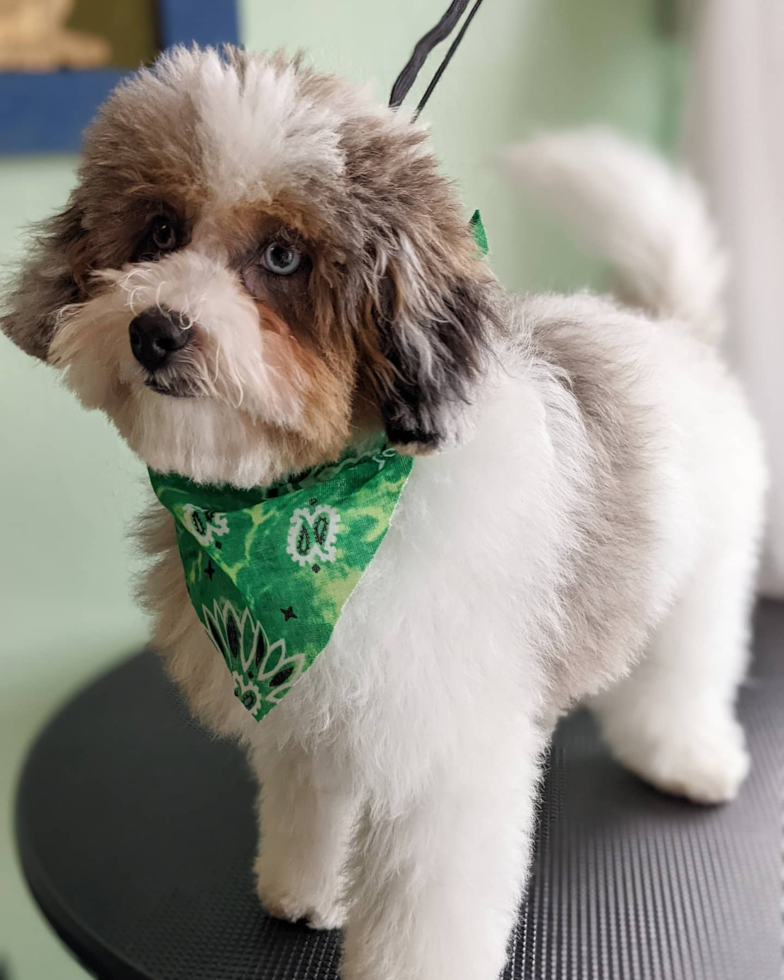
point(703, 760)
point(333, 917)
point(315, 911)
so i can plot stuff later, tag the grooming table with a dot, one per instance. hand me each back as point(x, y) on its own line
point(136, 833)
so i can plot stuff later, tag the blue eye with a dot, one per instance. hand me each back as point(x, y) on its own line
point(281, 259)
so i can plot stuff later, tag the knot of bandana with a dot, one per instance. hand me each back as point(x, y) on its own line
point(269, 570)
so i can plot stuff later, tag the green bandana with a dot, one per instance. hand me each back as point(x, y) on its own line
point(269, 570)
point(479, 233)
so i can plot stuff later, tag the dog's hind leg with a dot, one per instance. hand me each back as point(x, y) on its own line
point(672, 721)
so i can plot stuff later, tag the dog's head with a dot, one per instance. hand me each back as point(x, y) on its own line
point(257, 265)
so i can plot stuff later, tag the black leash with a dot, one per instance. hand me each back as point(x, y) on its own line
point(435, 36)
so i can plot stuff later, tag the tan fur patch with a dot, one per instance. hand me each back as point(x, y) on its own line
point(326, 391)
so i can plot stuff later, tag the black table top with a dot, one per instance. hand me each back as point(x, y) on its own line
point(136, 834)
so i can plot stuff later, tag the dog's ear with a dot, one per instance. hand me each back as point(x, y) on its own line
point(427, 337)
point(51, 277)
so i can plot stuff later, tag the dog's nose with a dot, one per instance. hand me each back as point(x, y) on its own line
point(155, 335)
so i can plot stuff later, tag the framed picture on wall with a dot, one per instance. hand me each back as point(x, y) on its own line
point(59, 59)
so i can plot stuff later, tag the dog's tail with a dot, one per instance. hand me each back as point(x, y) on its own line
point(650, 221)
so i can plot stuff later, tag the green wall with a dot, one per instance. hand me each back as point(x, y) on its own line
point(69, 490)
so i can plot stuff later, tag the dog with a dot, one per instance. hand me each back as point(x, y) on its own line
point(581, 523)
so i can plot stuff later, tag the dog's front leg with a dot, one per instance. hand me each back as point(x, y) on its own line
point(438, 886)
point(306, 813)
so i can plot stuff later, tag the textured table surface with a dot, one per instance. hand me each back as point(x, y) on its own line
point(136, 834)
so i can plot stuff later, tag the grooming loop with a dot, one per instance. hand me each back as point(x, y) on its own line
point(424, 46)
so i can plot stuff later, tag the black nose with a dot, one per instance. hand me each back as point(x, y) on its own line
point(155, 335)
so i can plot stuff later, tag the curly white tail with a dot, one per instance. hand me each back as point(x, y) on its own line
point(649, 220)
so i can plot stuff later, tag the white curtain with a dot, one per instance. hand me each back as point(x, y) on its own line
point(734, 141)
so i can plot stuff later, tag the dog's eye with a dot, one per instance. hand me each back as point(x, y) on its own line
point(281, 259)
point(162, 234)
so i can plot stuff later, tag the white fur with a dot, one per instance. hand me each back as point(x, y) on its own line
point(259, 133)
point(274, 135)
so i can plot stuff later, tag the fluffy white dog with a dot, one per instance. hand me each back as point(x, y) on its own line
point(259, 268)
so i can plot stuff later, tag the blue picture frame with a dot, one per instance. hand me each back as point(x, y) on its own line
point(46, 113)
